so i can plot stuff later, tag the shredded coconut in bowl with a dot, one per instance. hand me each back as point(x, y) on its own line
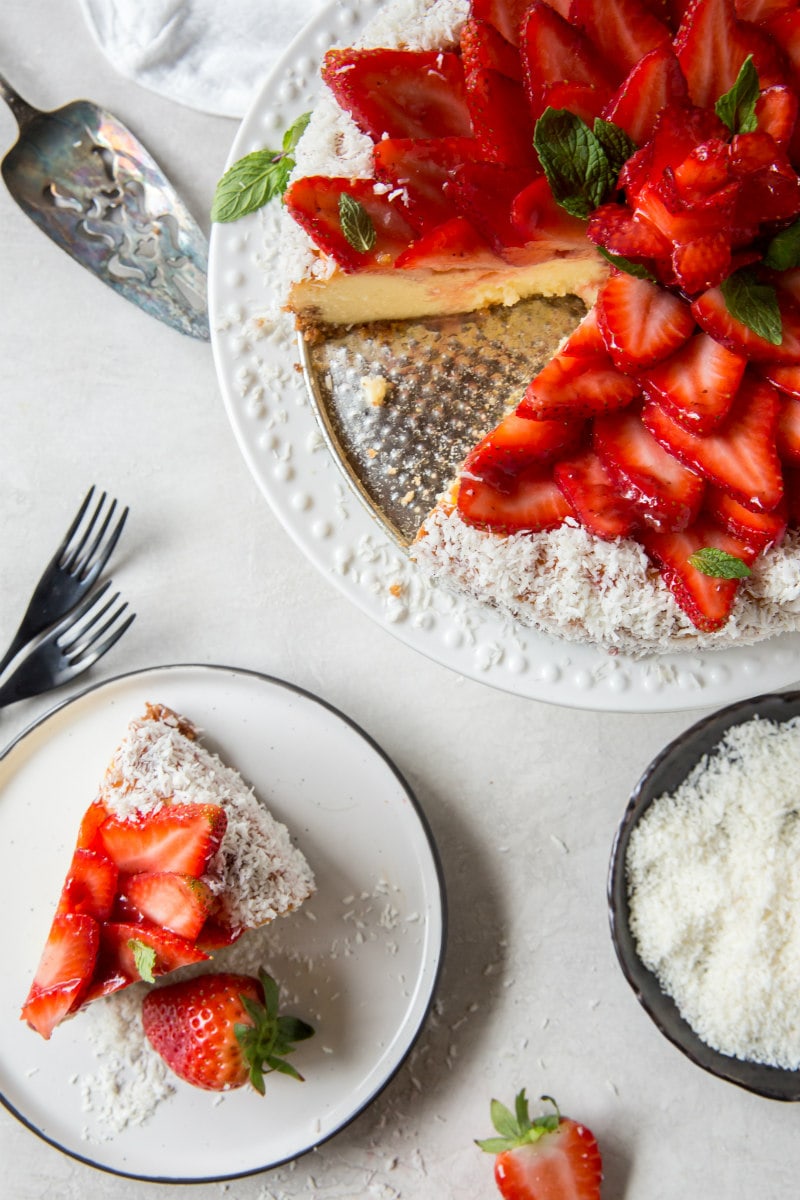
point(714, 894)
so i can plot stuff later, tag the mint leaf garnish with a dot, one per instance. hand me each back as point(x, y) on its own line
point(753, 303)
point(581, 164)
point(719, 564)
point(356, 223)
point(257, 178)
point(144, 957)
point(737, 108)
point(783, 252)
point(638, 270)
point(617, 145)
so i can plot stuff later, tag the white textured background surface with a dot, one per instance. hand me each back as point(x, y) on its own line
point(523, 797)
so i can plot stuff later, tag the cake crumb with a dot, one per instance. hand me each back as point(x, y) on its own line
point(374, 389)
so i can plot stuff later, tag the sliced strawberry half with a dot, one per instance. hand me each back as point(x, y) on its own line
point(712, 314)
point(740, 456)
point(451, 246)
point(400, 93)
point(501, 119)
point(179, 837)
point(664, 493)
point(760, 530)
point(577, 386)
point(641, 323)
point(555, 51)
point(706, 600)
point(64, 971)
point(516, 441)
point(92, 819)
point(506, 15)
point(530, 501)
point(776, 113)
point(90, 886)
point(620, 231)
point(536, 217)
point(314, 202)
point(785, 377)
point(484, 193)
point(484, 48)
point(697, 384)
point(653, 84)
point(788, 434)
point(120, 940)
point(595, 496)
point(711, 46)
point(623, 31)
point(418, 168)
point(180, 903)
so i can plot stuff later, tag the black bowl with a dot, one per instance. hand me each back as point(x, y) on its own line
point(666, 773)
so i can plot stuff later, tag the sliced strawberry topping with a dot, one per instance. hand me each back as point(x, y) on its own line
point(697, 385)
point(90, 885)
point(483, 48)
point(788, 434)
point(740, 456)
point(554, 51)
point(484, 193)
point(585, 100)
point(517, 441)
point(530, 501)
point(180, 837)
point(500, 118)
point(64, 971)
point(641, 323)
point(506, 15)
point(121, 939)
point(712, 314)
point(786, 377)
point(595, 496)
point(214, 935)
point(654, 83)
point(760, 530)
point(623, 232)
point(450, 246)
point(535, 217)
point(400, 93)
point(418, 168)
point(180, 903)
point(776, 113)
point(314, 202)
point(711, 46)
point(706, 600)
point(623, 31)
point(664, 493)
point(577, 386)
point(93, 818)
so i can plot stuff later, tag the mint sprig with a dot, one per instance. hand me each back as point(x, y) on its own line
point(737, 108)
point(582, 165)
point(356, 223)
point(753, 303)
point(638, 270)
point(783, 252)
point(144, 958)
point(257, 178)
point(719, 564)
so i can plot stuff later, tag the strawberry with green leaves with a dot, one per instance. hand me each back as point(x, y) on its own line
point(222, 1031)
point(548, 1158)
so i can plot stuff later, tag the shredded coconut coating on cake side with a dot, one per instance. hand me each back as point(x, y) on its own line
point(257, 874)
point(568, 583)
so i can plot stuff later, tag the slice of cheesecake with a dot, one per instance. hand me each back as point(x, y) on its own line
point(175, 856)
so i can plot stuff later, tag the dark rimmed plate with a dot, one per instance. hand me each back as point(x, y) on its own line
point(664, 775)
point(360, 960)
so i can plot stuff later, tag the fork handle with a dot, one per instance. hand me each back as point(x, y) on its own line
point(23, 112)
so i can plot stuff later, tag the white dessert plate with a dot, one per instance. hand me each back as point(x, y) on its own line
point(256, 356)
point(360, 960)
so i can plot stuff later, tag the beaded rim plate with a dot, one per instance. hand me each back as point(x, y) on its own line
point(293, 462)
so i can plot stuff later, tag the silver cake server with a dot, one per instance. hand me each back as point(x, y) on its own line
point(91, 186)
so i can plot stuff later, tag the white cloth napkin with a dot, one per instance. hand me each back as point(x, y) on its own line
point(208, 54)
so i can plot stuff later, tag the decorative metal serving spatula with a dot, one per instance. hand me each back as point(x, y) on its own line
point(91, 186)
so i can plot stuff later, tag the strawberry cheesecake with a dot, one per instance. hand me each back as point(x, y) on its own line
point(644, 494)
point(175, 857)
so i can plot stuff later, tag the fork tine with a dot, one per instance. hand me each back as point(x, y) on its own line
point(87, 569)
point(71, 553)
point(69, 535)
point(104, 647)
point(87, 635)
point(75, 615)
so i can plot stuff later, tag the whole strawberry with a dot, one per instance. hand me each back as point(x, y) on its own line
point(549, 1158)
point(219, 1031)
